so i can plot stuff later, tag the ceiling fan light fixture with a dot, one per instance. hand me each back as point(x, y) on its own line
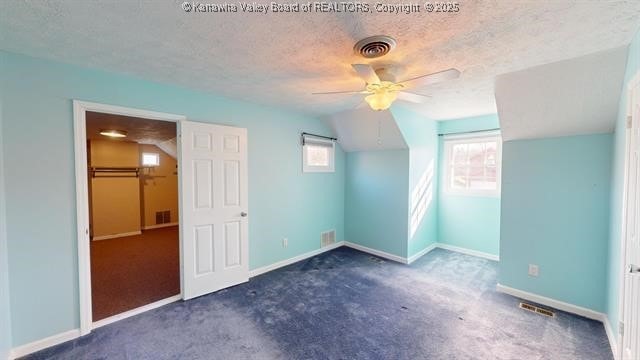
point(113, 133)
point(381, 100)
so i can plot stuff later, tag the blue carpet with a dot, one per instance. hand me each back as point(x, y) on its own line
point(345, 304)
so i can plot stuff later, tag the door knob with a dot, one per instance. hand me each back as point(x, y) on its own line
point(634, 269)
point(243, 214)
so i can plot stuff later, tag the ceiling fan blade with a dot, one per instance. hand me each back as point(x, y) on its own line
point(429, 79)
point(411, 97)
point(366, 73)
point(340, 92)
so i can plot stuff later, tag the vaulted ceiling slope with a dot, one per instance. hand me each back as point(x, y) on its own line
point(280, 59)
point(367, 130)
point(572, 97)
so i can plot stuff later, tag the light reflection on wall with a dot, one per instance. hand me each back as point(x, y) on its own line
point(421, 197)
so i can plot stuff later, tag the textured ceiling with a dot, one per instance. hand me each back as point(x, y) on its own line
point(570, 97)
point(139, 130)
point(279, 59)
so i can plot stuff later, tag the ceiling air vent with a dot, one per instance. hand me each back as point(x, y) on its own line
point(375, 46)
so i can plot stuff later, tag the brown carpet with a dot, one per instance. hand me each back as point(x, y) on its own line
point(133, 271)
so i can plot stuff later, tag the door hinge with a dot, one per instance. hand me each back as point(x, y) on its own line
point(621, 328)
point(629, 122)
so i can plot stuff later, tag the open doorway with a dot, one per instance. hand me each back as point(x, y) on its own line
point(133, 212)
point(213, 240)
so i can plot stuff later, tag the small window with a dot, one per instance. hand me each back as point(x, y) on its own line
point(150, 159)
point(473, 166)
point(317, 155)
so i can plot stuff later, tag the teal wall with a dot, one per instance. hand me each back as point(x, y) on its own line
point(40, 191)
point(421, 135)
point(617, 184)
point(470, 222)
point(483, 122)
point(5, 317)
point(555, 213)
point(376, 204)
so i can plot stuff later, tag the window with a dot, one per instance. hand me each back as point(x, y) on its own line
point(317, 155)
point(150, 159)
point(473, 166)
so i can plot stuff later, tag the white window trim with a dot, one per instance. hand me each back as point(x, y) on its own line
point(448, 144)
point(332, 158)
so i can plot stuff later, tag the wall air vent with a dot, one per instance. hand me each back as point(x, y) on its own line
point(163, 217)
point(327, 238)
point(375, 46)
point(537, 310)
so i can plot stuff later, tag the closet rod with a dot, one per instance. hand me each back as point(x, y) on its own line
point(114, 170)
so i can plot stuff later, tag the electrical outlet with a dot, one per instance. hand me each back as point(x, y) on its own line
point(285, 242)
point(533, 270)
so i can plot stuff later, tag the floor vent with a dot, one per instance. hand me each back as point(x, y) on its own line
point(537, 310)
point(327, 238)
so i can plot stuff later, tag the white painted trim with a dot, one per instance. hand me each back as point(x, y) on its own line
point(421, 253)
point(611, 336)
point(469, 252)
point(279, 264)
point(382, 254)
point(158, 226)
point(57, 339)
point(556, 304)
point(82, 194)
point(82, 215)
point(136, 311)
point(126, 111)
point(38, 345)
point(114, 236)
point(631, 87)
point(471, 135)
point(570, 308)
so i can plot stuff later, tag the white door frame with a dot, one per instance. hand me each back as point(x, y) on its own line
point(82, 206)
point(629, 93)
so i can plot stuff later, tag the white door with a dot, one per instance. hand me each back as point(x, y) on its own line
point(631, 330)
point(215, 246)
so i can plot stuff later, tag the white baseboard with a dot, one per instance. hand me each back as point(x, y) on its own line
point(279, 264)
point(382, 254)
point(113, 236)
point(136, 311)
point(158, 226)
point(613, 341)
point(54, 340)
point(421, 253)
point(469, 251)
point(556, 304)
point(38, 345)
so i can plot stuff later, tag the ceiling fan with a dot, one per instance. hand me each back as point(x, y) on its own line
point(382, 89)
